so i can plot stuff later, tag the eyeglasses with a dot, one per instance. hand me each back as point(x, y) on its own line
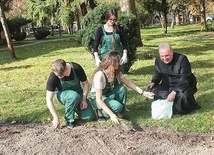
point(112, 19)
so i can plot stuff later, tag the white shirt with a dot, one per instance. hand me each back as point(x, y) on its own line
point(101, 85)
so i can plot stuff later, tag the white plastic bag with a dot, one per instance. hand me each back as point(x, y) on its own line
point(161, 109)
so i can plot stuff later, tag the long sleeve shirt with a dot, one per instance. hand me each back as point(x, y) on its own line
point(99, 34)
point(176, 74)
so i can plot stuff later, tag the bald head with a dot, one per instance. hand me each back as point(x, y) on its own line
point(165, 52)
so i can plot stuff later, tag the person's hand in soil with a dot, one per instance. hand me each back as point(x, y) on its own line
point(114, 118)
point(56, 123)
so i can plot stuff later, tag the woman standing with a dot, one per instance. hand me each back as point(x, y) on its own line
point(110, 36)
point(109, 99)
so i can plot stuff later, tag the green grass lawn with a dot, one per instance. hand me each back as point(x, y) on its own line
point(23, 80)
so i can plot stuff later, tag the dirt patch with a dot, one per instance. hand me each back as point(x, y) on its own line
point(89, 139)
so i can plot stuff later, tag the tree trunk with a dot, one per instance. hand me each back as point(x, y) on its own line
point(90, 4)
point(187, 16)
point(7, 33)
point(203, 16)
point(177, 19)
point(163, 22)
point(164, 16)
point(128, 6)
point(83, 9)
point(173, 20)
point(78, 18)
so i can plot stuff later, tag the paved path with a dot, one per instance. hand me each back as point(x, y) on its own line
point(33, 43)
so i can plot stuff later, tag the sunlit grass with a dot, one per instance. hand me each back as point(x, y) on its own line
point(23, 81)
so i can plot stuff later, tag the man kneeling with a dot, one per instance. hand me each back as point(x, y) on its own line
point(173, 80)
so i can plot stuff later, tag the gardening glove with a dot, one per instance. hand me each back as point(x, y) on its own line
point(124, 59)
point(114, 118)
point(148, 94)
point(97, 59)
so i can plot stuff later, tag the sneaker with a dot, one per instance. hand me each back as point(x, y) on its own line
point(120, 115)
point(126, 109)
point(99, 118)
point(70, 125)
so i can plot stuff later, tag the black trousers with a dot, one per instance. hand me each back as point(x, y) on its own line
point(184, 101)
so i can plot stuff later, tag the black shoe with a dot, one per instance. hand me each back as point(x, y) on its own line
point(99, 118)
point(70, 125)
point(198, 107)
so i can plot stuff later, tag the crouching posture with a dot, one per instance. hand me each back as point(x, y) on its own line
point(173, 80)
point(64, 83)
point(108, 94)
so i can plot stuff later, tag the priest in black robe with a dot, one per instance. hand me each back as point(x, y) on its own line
point(173, 80)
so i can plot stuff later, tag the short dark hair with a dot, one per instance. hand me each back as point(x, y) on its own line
point(59, 66)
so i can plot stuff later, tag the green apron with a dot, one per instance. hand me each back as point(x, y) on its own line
point(107, 43)
point(114, 97)
point(71, 97)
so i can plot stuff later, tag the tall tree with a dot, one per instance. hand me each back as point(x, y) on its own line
point(175, 8)
point(6, 31)
point(163, 10)
point(38, 11)
point(160, 7)
point(18, 8)
point(203, 16)
point(198, 7)
point(53, 11)
point(128, 6)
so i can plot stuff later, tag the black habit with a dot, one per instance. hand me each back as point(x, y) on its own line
point(176, 76)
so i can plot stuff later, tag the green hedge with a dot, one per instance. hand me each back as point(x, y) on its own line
point(41, 34)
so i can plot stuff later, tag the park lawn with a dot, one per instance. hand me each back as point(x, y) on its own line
point(23, 80)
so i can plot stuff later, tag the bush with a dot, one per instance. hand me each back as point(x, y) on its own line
point(94, 19)
point(41, 34)
point(129, 24)
point(14, 26)
point(19, 36)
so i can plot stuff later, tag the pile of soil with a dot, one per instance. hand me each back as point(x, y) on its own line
point(87, 139)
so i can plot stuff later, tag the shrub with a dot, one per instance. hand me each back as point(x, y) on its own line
point(129, 24)
point(94, 19)
point(19, 36)
point(41, 33)
point(14, 26)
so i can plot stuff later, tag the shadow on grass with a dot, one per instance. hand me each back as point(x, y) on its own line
point(17, 67)
point(36, 50)
point(169, 34)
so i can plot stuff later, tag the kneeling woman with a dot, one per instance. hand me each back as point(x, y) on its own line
point(108, 94)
